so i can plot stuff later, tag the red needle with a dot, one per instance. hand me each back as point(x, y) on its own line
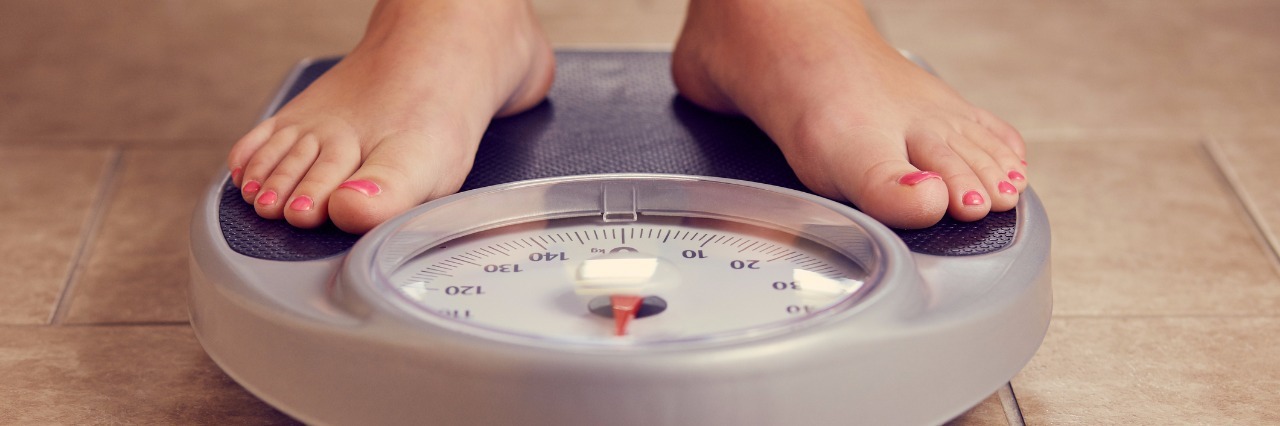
point(624, 309)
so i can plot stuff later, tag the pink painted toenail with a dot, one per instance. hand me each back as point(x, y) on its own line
point(267, 198)
point(917, 177)
point(236, 173)
point(302, 203)
point(1007, 188)
point(1013, 174)
point(365, 187)
point(1024, 162)
point(252, 187)
point(973, 198)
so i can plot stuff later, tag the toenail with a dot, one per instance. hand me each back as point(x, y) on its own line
point(236, 173)
point(973, 198)
point(1007, 188)
point(1013, 174)
point(302, 203)
point(267, 198)
point(917, 177)
point(252, 187)
point(363, 186)
point(1024, 162)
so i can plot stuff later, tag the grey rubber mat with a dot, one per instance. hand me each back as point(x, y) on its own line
point(608, 112)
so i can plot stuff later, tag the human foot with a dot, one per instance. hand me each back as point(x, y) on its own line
point(854, 118)
point(397, 122)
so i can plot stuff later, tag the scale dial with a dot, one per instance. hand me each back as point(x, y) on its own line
point(627, 261)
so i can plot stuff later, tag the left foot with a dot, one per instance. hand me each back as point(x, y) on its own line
point(855, 119)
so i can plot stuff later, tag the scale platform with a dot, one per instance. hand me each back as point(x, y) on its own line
point(928, 323)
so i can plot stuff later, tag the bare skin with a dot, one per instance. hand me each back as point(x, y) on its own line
point(398, 121)
point(855, 119)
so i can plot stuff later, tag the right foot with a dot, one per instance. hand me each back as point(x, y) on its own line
point(855, 120)
point(397, 122)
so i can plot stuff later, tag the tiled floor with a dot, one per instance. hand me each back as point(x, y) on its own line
point(1153, 140)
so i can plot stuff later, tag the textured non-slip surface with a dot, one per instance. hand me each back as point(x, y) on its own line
point(608, 112)
point(251, 235)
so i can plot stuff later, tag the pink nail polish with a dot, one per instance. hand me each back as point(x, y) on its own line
point(302, 203)
point(236, 173)
point(365, 187)
point(1024, 162)
point(267, 198)
point(973, 198)
point(251, 187)
point(913, 178)
point(1013, 174)
point(1007, 188)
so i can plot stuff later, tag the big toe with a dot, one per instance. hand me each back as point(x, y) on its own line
point(877, 177)
point(899, 195)
point(398, 174)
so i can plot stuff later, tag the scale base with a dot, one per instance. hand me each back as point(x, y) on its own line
point(269, 303)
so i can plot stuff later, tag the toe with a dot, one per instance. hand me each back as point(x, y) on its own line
point(402, 171)
point(264, 161)
point(1015, 160)
point(1004, 132)
point(996, 189)
point(878, 179)
point(308, 205)
point(278, 188)
point(244, 149)
point(967, 195)
point(996, 164)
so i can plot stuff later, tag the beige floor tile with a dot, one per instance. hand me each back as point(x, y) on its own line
point(917, 5)
point(46, 197)
point(1176, 67)
point(137, 267)
point(1250, 163)
point(118, 375)
point(1156, 371)
point(621, 23)
point(146, 70)
point(1236, 62)
point(150, 71)
point(154, 72)
point(1148, 228)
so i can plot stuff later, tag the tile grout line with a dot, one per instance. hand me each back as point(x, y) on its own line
point(109, 324)
point(1009, 400)
point(97, 213)
point(1260, 227)
point(132, 324)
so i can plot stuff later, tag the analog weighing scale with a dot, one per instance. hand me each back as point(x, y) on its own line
point(619, 256)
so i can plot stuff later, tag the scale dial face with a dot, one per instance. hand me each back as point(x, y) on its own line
point(613, 276)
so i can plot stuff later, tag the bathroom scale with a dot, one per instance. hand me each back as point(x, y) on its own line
point(619, 256)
